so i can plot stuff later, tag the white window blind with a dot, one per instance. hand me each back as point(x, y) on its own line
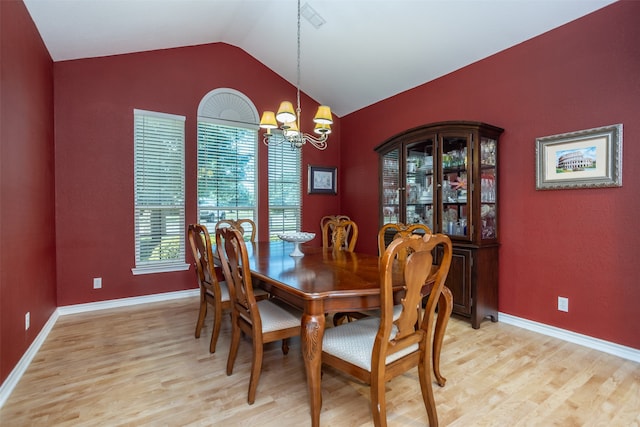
point(159, 192)
point(227, 172)
point(285, 189)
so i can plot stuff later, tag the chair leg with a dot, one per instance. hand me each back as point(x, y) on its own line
point(217, 321)
point(256, 368)
point(201, 315)
point(445, 307)
point(378, 400)
point(424, 372)
point(339, 318)
point(285, 346)
point(235, 343)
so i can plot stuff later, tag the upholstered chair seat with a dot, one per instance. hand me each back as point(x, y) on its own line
point(353, 342)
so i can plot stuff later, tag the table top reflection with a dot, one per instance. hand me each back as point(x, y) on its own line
point(319, 274)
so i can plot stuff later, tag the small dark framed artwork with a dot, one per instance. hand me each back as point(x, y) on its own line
point(322, 180)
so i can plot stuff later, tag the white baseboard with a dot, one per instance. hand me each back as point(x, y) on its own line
point(125, 302)
point(12, 380)
point(583, 340)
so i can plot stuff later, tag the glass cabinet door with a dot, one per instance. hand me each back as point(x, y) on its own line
point(420, 183)
point(454, 160)
point(488, 191)
point(391, 187)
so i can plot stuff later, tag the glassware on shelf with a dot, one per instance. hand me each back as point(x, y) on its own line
point(446, 160)
point(390, 196)
point(463, 226)
point(487, 188)
point(449, 194)
point(488, 152)
point(488, 218)
point(455, 158)
point(458, 229)
point(413, 191)
point(449, 220)
point(428, 164)
point(428, 217)
point(412, 165)
point(426, 196)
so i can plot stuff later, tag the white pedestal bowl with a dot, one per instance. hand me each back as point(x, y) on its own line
point(297, 239)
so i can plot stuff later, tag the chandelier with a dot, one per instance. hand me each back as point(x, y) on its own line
point(289, 119)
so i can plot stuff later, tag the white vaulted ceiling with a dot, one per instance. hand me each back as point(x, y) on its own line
point(367, 50)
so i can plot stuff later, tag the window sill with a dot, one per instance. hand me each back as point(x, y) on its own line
point(164, 268)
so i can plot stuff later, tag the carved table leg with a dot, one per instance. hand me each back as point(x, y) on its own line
point(311, 339)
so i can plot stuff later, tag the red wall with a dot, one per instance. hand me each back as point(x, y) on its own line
point(580, 244)
point(94, 106)
point(27, 215)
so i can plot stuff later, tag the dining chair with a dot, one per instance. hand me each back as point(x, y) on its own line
point(340, 233)
point(327, 218)
point(213, 289)
point(386, 234)
point(240, 224)
point(389, 232)
point(377, 349)
point(263, 321)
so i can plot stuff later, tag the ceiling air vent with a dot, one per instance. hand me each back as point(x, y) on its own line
point(312, 16)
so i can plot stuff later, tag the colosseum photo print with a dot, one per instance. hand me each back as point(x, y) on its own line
point(589, 158)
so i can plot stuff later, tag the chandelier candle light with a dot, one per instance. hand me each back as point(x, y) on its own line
point(290, 119)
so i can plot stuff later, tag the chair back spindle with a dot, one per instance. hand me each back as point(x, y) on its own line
point(244, 225)
point(339, 234)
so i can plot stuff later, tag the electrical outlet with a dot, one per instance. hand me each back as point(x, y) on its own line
point(27, 321)
point(97, 282)
point(563, 304)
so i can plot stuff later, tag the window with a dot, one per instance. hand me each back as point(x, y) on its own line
point(226, 173)
point(227, 157)
point(285, 192)
point(227, 166)
point(159, 192)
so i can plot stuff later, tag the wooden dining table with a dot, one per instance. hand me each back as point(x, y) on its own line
point(320, 282)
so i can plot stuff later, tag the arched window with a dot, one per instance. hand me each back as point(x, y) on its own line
point(228, 166)
point(227, 157)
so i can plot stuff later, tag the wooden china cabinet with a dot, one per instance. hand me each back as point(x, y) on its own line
point(445, 175)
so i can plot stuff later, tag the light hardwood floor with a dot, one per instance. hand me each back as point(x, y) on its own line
point(141, 366)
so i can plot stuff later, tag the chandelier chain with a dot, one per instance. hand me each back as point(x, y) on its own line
point(292, 129)
point(298, 70)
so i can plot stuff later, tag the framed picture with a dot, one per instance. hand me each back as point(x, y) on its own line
point(322, 180)
point(584, 159)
